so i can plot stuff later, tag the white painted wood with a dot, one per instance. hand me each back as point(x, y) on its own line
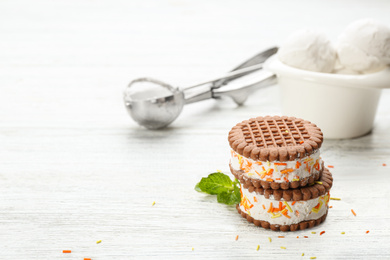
point(75, 169)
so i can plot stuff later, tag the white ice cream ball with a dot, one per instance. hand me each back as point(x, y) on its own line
point(340, 69)
point(309, 50)
point(364, 46)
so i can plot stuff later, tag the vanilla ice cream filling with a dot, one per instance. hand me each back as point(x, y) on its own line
point(276, 171)
point(281, 212)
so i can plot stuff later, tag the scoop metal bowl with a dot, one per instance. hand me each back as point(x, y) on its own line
point(157, 107)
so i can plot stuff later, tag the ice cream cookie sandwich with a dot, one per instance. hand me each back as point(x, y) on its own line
point(276, 152)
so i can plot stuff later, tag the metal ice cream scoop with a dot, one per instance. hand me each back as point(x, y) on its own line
point(156, 108)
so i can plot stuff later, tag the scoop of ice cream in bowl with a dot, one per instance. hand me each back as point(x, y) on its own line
point(337, 86)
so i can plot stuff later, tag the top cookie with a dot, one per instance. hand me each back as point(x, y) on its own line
point(275, 138)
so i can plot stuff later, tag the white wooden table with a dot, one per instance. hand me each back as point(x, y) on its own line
point(76, 169)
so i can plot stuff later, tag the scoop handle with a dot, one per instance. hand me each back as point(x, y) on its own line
point(259, 58)
point(206, 92)
point(240, 94)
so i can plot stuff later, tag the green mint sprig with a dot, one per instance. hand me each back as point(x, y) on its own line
point(217, 183)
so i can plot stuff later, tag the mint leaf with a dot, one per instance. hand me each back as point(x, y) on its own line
point(215, 183)
point(227, 191)
point(228, 198)
point(197, 188)
point(237, 192)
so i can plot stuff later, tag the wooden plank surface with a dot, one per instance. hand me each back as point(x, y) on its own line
point(76, 169)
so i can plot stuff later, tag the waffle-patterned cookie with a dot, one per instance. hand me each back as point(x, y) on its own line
point(276, 152)
point(275, 138)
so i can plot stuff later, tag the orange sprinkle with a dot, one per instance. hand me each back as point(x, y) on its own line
point(330, 166)
point(87, 259)
point(297, 213)
point(322, 232)
point(353, 212)
point(263, 206)
point(301, 142)
point(298, 165)
point(280, 205)
point(283, 164)
point(270, 180)
point(293, 203)
point(384, 164)
point(270, 171)
point(286, 171)
point(66, 251)
point(305, 236)
point(368, 231)
point(254, 199)
point(330, 207)
point(236, 237)
point(297, 236)
point(270, 207)
point(280, 236)
point(278, 179)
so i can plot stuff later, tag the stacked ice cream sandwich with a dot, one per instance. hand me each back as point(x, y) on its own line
point(284, 184)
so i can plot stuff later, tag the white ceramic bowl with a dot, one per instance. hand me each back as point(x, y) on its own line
point(343, 106)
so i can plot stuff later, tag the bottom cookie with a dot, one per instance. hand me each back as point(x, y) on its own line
point(293, 227)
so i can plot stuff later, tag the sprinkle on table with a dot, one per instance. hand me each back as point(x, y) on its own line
point(313, 257)
point(192, 249)
point(258, 247)
point(305, 236)
point(334, 198)
point(342, 233)
point(313, 232)
point(236, 237)
point(297, 236)
point(153, 203)
point(98, 242)
point(270, 239)
point(368, 231)
point(322, 232)
point(87, 259)
point(280, 236)
point(330, 207)
point(353, 212)
point(219, 171)
point(283, 247)
point(330, 166)
point(384, 164)
point(66, 251)
point(303, 254)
